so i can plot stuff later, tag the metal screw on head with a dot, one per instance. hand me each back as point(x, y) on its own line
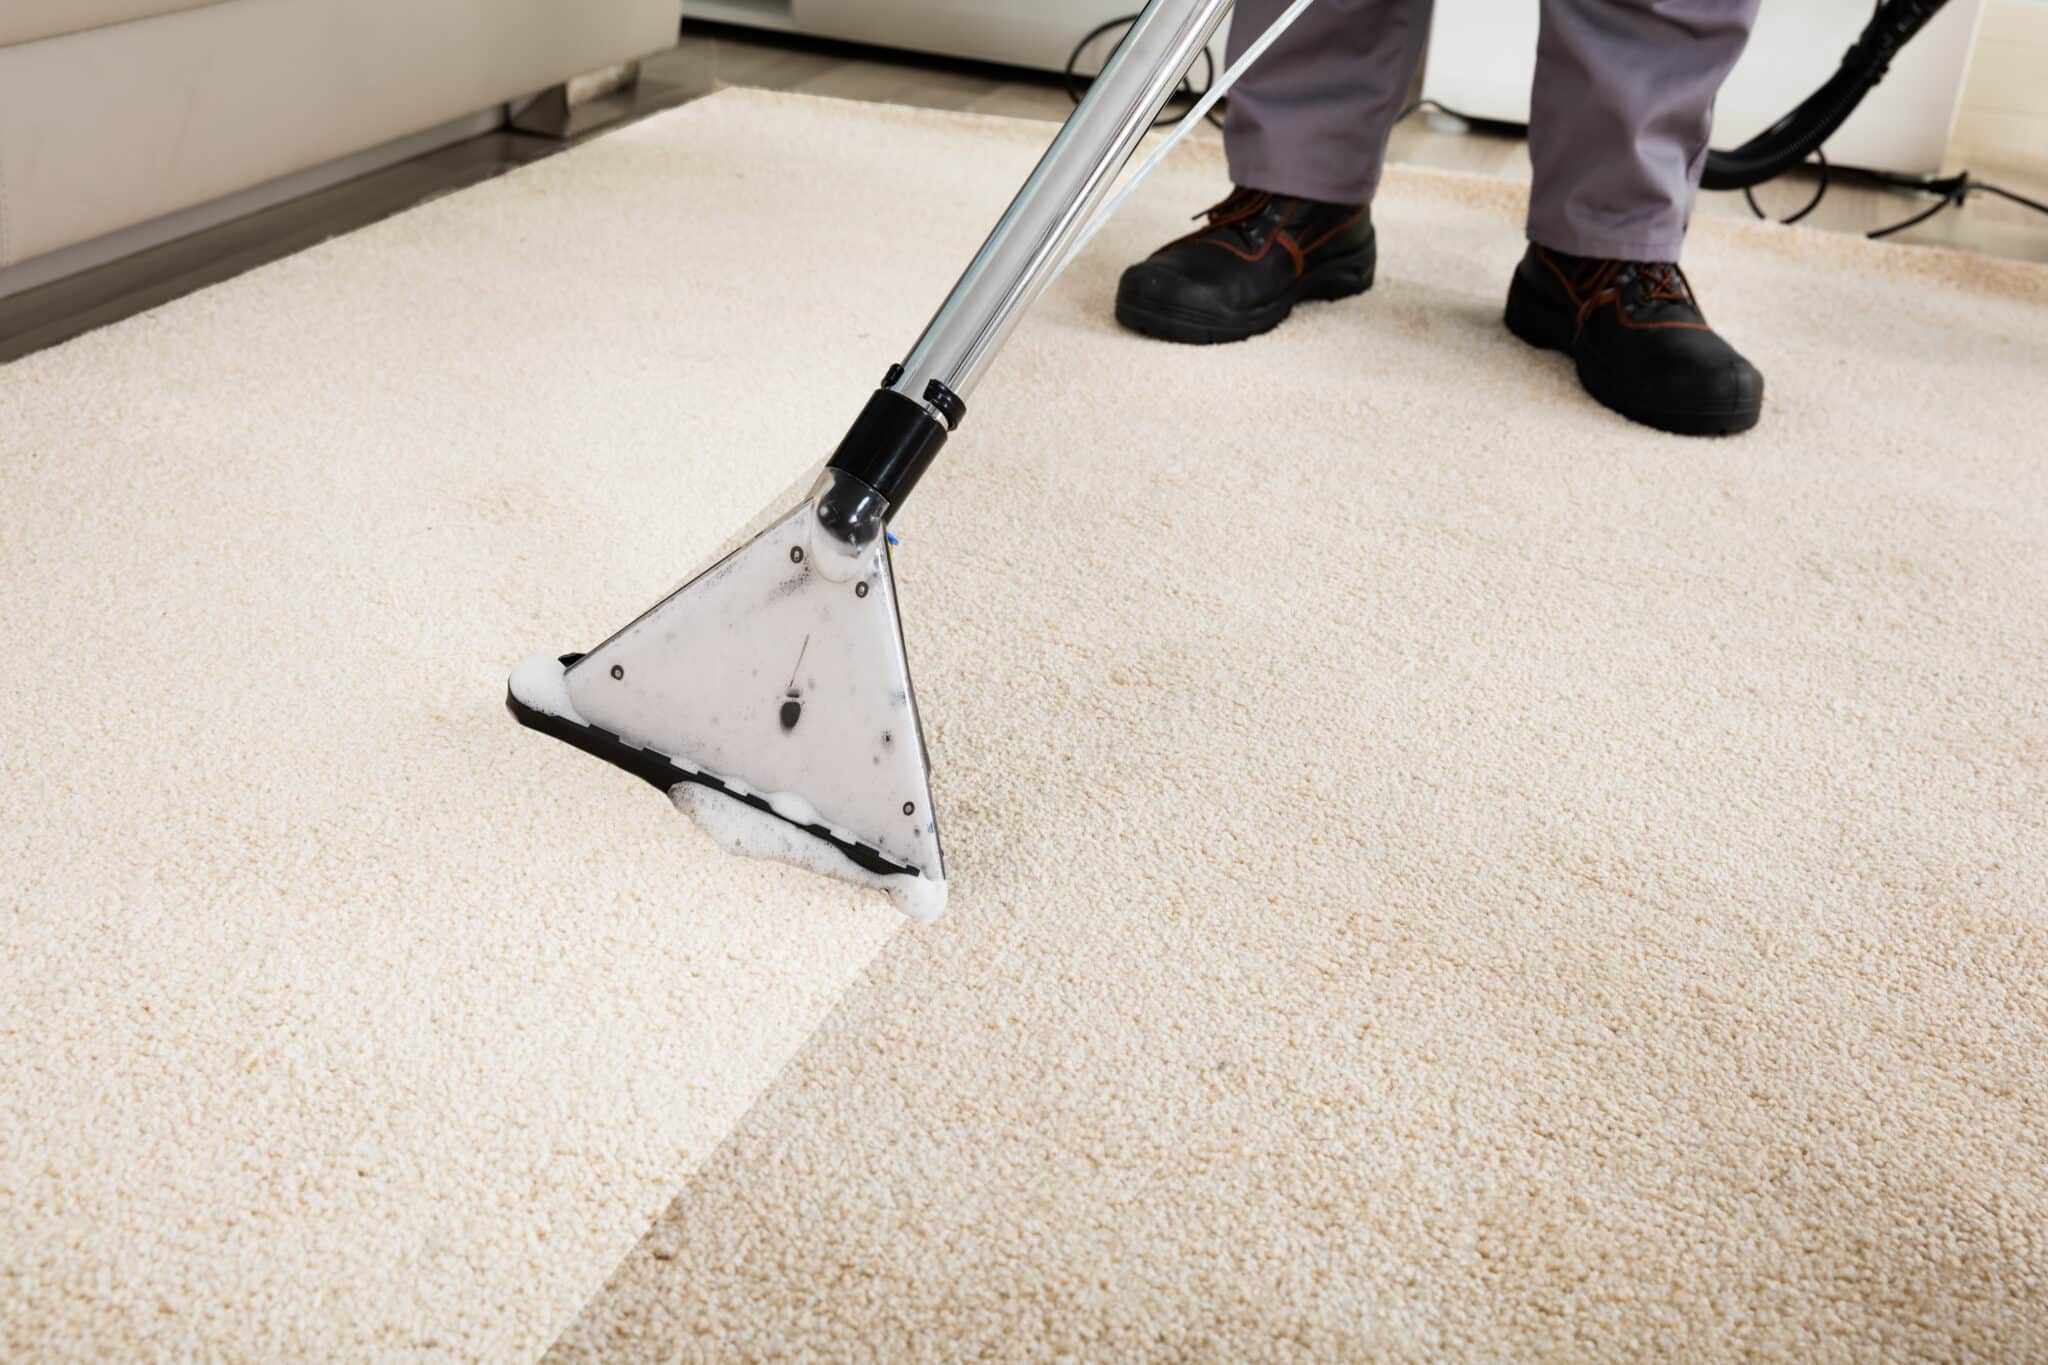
point(618, 671)
point(860, 589)
point(796, 554)
point(910, 807)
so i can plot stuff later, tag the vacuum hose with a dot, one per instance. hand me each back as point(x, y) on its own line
point(1800, 133)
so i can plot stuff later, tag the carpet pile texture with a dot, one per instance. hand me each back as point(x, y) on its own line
point(1436, 869)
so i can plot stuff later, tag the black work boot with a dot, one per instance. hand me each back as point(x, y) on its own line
point(1641, 344)
point(1242, 273)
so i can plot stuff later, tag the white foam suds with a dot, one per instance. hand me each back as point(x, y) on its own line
point(740, 828)
point(541, 683)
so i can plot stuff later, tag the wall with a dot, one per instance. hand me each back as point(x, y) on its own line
point(2002, 126)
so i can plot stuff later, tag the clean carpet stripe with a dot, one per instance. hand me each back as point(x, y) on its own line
point(340, 1017)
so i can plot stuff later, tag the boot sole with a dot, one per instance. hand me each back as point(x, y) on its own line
point(1337, 278)
point(1542, 328)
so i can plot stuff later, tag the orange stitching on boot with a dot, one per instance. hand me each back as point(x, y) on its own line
point(1238, 252)
point(1628, 321)
point(1311, 246)
point(1264, 251)
point(1569, 292)
point(1592, 302)
point(1292, 250)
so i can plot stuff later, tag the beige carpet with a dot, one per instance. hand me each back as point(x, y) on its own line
point(1436, 869)
point(341, 1018)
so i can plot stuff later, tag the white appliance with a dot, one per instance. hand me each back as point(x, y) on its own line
point(1040, 34)
point(1482, 57)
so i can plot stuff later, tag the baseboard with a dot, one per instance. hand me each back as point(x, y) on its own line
point(82, 256)
point(770, 14)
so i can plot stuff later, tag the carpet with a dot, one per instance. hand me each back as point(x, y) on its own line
point(1435, 869)
point(1438, 870)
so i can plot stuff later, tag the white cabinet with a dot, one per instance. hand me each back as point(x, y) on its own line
point(1482, 57)
point(1038, 34)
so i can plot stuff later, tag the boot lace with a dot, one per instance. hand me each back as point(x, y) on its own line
point(1234, 210)
point(1235, 207)
point(1655, 282)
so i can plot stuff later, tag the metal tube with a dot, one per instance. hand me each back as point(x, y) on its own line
point(1025, 250)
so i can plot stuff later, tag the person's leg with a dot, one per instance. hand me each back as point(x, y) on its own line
point(1306, 136)
point(1619, 118)
point(1310, 119)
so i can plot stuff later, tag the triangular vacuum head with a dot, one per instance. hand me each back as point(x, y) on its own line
point(777, 679)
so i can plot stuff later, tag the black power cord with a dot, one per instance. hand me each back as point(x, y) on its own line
point(1800, 134)
point(1953, 189)
point(1789, 141)
point(1820, 192)
point(1440, 107)
point(1950, 191)
point(1077, 87)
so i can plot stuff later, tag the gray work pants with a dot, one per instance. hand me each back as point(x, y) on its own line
point(1618, 125)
